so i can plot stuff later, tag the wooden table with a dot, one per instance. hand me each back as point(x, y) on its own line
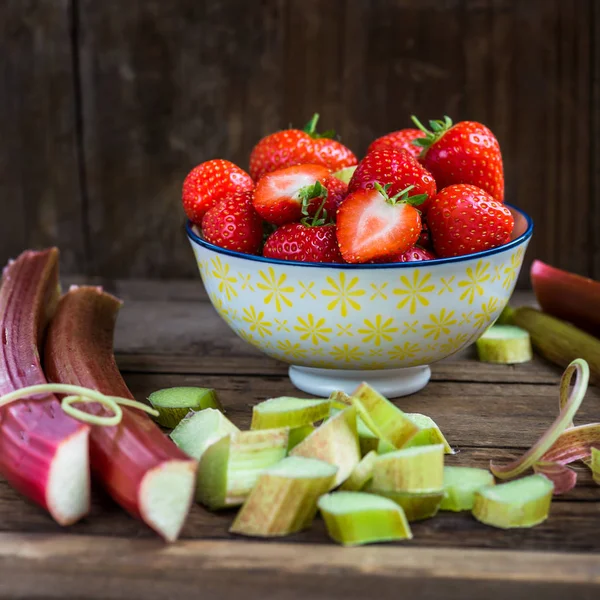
point(169, 335)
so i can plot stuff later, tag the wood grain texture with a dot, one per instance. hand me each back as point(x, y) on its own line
point(167, 85)
point(268, 571)
point(162, 86)
point(40, 199)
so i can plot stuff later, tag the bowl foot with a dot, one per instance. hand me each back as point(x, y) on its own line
point(389, 382)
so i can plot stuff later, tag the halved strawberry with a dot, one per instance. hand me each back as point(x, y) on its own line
point(299, 147)
point(234, 224)
point(398, 140)
point(463, 219)
point(373, 225)
point(210, 182)
point(280, 195)
point(396, 168)
point(467, 152)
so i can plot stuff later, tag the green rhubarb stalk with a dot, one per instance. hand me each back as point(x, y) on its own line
point(557, 341)
point(297, 434)
point(284, 499)
point(229, 468)
point(335, 442)
point(520, 503)
point(504, 344)
point(361, 474)
point(429, 433)
point(383, 418)
point(416, 505)
point(198, 430)
point(367, 440)
point(595, 465)
point(355, 518)
point(460, 485)
point(288, 412)
point(419, 469)
point(345, 174)
point(173, 404)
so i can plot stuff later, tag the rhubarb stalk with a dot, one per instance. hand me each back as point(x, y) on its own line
point(139, 466)
point(43, 451)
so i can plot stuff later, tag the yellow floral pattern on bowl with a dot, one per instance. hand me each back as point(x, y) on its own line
point(371, 318)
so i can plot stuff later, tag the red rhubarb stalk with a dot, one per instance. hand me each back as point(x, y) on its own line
point(139, 466)
point(567, 296)
point(43, 451)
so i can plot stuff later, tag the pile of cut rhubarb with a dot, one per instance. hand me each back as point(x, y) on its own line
point(417, 194)
point(368, 467)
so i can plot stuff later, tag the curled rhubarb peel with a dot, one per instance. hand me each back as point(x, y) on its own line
point(570, 403)
point(139, 466)
point(563, 478)
point(78, 394)
point(43, 451)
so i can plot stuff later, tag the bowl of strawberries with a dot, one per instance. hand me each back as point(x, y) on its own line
point(353, 270)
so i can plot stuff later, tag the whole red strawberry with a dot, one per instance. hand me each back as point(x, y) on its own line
point(337, 191)
point(297, 147)
point(234, 224)
point(425, 238)
point(413, 254)
point(395, 168)
point(467, 152)
point(463, 218)
point(373, 225)
point(286, 195)
point(312, 240)
point(210, 182)
point(398, 140)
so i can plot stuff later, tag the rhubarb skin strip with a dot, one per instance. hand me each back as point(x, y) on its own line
point(140, 467)
point(43, 451)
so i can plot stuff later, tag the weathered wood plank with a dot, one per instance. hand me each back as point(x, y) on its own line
point(40, 199)
point(165, 87)
point(254, 570)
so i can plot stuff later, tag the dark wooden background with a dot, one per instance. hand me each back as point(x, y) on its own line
point(105, 105)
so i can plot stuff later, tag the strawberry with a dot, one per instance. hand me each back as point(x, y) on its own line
point(297, 147)
point(372, 225)
point(466, 152)
point(398, 140)
point(337, 190)
point(414, 254)
point(210, 182)
point(411, 255)
point(312, 240)
point(463, 219)
point(279, 196)
point(425, 238)
point(396, 168)
point(234, 224)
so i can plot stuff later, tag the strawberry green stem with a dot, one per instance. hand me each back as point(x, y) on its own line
point(311, 129)
point(438, 129)
point(311, 126)
point(401, 197)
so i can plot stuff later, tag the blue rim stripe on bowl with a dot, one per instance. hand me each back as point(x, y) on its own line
point(407, 265)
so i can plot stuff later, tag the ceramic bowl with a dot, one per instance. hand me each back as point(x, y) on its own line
point(338, 325)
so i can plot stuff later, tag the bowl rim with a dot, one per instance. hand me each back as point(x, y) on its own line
point(193, 236)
